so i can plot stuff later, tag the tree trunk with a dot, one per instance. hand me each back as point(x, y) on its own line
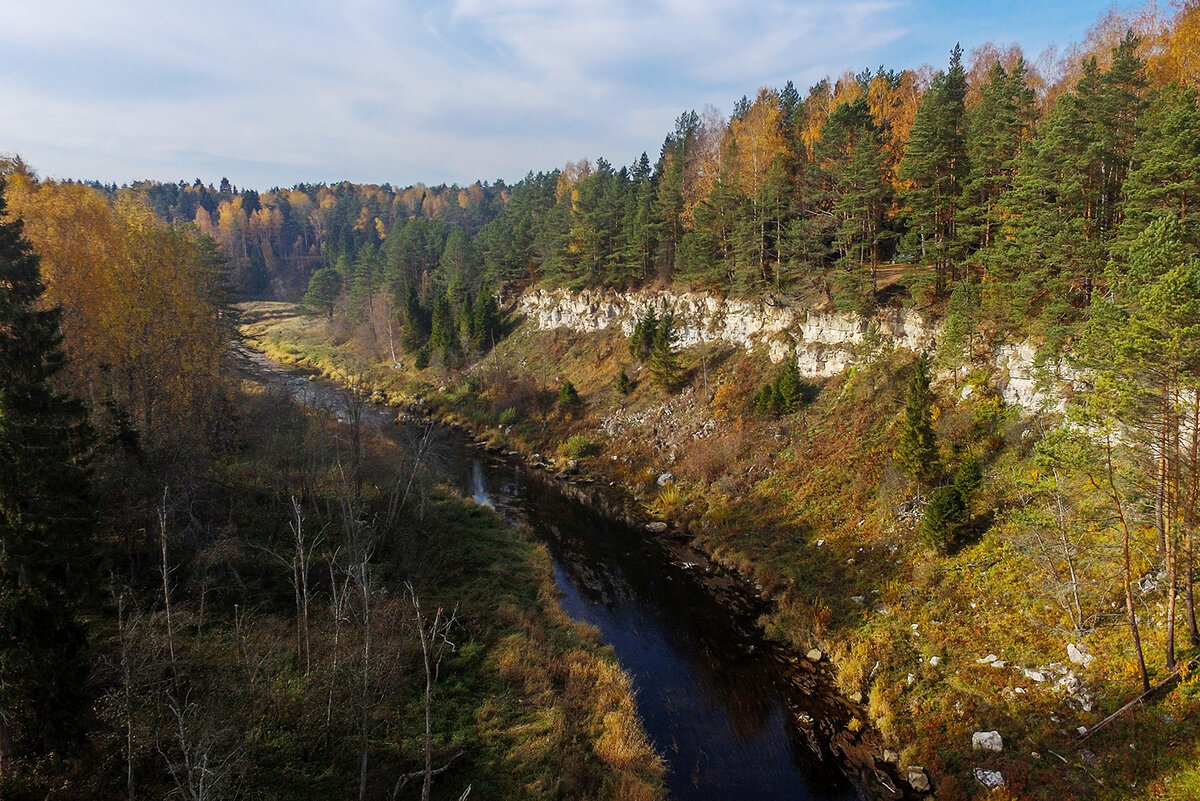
point(1127, 571)
point(1193, 490)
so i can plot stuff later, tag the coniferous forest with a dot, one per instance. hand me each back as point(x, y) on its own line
point(208, 591)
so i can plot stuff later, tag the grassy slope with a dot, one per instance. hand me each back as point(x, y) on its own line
point(808, 506)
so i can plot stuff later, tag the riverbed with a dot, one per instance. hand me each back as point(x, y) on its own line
point(733, 715)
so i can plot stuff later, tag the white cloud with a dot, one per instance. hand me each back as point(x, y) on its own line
point(400, 91)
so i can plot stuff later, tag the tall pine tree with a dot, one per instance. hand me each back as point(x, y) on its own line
point(47, 564)
point(935, 167)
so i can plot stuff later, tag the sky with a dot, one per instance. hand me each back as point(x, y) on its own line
point(278, 92)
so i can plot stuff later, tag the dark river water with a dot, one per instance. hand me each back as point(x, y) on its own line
point(713, 694)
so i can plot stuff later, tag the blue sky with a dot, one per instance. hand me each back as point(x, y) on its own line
point(275, 92)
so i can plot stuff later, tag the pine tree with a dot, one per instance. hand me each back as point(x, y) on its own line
point(664, 361)
point(47, 563)
point(935, 164)
point(997, 128)
point(1165, 176)
point(324, 289)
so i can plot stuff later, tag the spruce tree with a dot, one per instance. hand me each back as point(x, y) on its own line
point(47, 562)
point(916, 448)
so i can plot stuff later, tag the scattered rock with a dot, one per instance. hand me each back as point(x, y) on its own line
point(858, 599)
point(1077, 693)
point(987, 660)
point(1082, 730)
point(855, 697)
point(572, 465)
point(918, 779)
point(1147, 584)
point(891, 757)
point(990, 779)
point(987, 741)
point(999, 663)
point(935, 661)
point(1034, 675)
point(657, 527)
point(1079, 655)
point(664, 479)
point(815, 655)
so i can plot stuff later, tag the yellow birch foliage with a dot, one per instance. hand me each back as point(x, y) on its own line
point(756, 140)
point(139, 322)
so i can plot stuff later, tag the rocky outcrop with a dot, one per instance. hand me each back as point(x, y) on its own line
point(822, 343)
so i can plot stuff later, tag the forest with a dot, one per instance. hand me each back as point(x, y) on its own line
point(207, 592)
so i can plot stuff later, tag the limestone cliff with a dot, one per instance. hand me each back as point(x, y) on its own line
point(823, 344)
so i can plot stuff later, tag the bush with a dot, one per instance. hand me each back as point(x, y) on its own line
point(949, 508)
point(568, 395)
point(577, 447)
point(622, 384)
point(507, 417)
point(944, 515)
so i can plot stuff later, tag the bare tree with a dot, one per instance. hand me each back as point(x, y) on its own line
point(198, 764)
point(299, 562)
point(435, 642)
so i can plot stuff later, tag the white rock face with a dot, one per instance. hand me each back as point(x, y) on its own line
point(821, 343)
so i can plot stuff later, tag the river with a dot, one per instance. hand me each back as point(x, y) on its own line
point(732, 714)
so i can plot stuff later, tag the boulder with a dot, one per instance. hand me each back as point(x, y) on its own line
point(657, 527)
point(815, 655)
point(918, 779)
point(1034, 675)
point(891, 757)
point(987, 741)
point(664, 479)
point(1078, 654)
point(990, 779)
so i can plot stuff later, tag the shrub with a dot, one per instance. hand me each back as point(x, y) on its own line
point(944, 515)
point(622, 384)
point(507, 417)
point(568, 395)
point(577, 447)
